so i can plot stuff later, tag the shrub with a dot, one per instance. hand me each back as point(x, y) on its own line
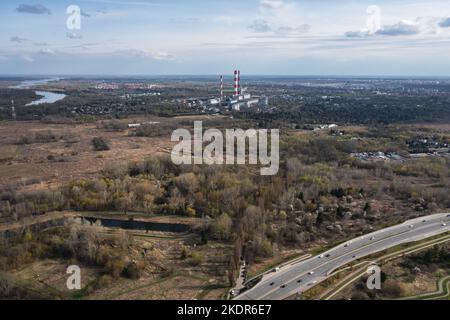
point(104, 281)
point(184, 253)
point(221, 227)
point(360, 295)
point(115, 267)
point(196, 259)
point(133, 270)
point(190, 212)
point(392, 288)
point(99, 144)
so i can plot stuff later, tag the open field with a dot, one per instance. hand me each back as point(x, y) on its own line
point(69, 152)
point(70, 156)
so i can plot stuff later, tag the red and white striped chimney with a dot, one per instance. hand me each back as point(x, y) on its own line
point(221, 88)
point(236, 83)
point(239, 81)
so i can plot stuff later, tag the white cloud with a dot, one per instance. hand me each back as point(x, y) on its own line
point(47, 51)
point(419, 26)
point(162, 56)
point(18, 39)
point(445, 23)
point(357, 34)
point(304, 28)
point(402, 28)
point(28, 58)
point(74, 35)
point(260, 26)
point(271, 4)
point(146, 54)
point(93, 14)
point(33, 9)
point(279, 18)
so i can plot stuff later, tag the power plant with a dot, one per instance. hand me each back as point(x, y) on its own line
point(237, 100)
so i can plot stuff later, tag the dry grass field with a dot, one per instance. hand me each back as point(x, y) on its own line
point(72, 155)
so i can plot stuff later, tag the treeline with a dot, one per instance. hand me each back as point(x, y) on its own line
point(110, 252)
point(20, 96)
point(381, 112)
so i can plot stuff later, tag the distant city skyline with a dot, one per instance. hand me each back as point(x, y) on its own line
point(206, 37)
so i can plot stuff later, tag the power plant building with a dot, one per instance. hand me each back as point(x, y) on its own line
point(239, 100)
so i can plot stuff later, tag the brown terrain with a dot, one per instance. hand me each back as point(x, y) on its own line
point(73, 153)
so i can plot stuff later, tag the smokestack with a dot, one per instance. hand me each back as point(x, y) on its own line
point(236, 83)
point(239, 82)
point(221, 88)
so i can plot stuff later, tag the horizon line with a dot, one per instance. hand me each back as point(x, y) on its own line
point(230, 75)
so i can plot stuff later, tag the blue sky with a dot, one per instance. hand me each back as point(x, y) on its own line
point(280, 37)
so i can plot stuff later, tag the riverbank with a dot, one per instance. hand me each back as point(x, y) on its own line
point(46, 96)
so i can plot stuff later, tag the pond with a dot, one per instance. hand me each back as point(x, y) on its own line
point(138, 225)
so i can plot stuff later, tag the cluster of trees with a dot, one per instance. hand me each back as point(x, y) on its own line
point(87, 101)
point(390, 288)
point(427, 261)
point(431, 258)
point(348, 108)
point(16, 205)
point(21, 97)
point(71, 242)
point(433, 168)
point(129, 193)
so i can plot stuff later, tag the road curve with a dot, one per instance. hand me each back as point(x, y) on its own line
point(298, 277)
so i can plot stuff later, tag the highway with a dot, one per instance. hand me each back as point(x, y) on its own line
point(300, 276)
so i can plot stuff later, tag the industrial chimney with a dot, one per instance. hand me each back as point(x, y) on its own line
point(236, 82)
point(239, 82)
point(221, 89)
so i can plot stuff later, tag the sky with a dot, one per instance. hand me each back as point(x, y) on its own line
point(208, 37)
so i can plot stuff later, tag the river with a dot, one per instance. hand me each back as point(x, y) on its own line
point(45, 96)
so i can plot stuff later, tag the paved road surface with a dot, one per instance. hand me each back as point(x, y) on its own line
point(298, 277)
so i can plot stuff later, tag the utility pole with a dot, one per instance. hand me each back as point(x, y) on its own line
point(13, 110)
